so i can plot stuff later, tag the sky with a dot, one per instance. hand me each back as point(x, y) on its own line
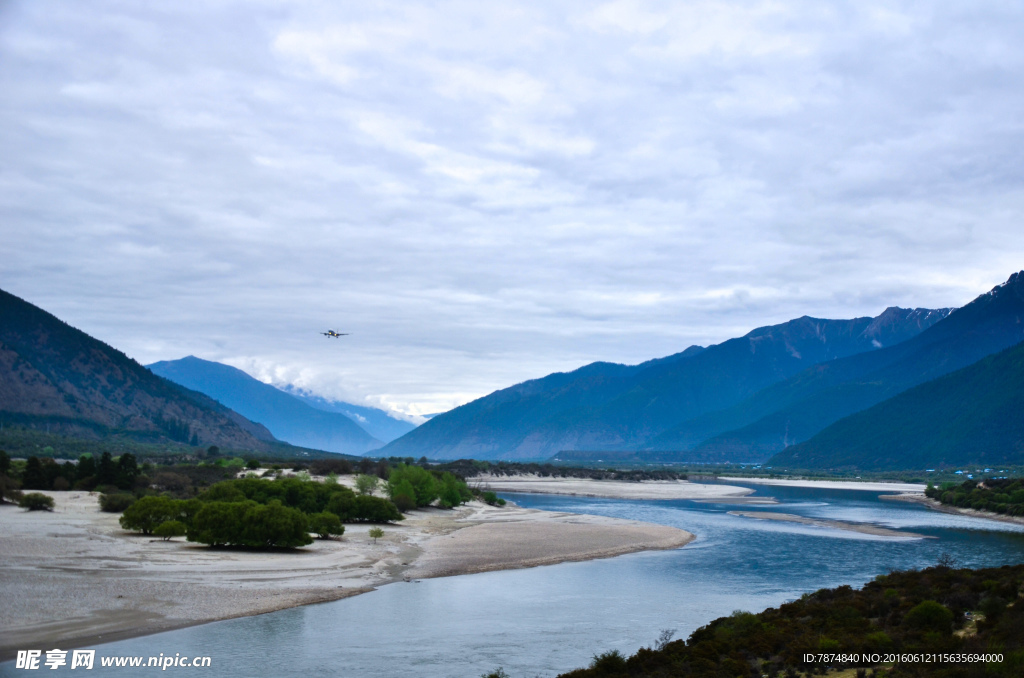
point(484, 193)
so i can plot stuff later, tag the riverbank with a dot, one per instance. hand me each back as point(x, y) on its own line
point(74, 578)
point(867, 486)
point(919, 498)
point(611, 489)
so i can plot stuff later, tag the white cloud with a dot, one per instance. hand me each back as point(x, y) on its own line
point(487, 193)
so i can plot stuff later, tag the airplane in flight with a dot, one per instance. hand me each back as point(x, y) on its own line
point(333, 334)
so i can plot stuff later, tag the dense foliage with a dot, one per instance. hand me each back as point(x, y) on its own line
point(258, 513)
point(938, 610)
point(413, 486)
point(1003, 495)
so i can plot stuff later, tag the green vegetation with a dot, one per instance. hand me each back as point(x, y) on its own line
point(938, 610)
point(256, 513)
point(116, 503)
point(414, 486)
point(467, 468)
point(375, 533)
point(36, 501)
point(171, 528)
point(1002, 495)
point(326, 525)
point(366, 484)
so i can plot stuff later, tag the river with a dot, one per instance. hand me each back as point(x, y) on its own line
point(546, 620)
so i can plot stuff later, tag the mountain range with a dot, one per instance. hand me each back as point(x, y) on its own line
point(292, 418)
point(743, 400)
point(606, 406)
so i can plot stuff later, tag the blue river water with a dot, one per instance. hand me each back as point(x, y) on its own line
point(546, 620)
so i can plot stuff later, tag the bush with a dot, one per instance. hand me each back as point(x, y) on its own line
point(352, 508)
point(325, 524)
point(147, 513)
point(115, 503)
point(492, 499)
point(366, 484)
point(271, 525)
point(253, 464)
point(375, 533)
point(170, 528)
point(930, 616)
point(36, 501)
point(425, 487)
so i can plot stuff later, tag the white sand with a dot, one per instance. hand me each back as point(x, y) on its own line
point(918, 497)
point(612, 489)
point(834, 484)
point(73, 577)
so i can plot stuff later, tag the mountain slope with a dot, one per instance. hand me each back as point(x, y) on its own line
point(974, 416)
point(605, 406)
point(56, 376)
point(377, 423)
point(810, 401)
point(288, 418)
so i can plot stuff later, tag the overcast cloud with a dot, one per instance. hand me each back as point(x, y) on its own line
point(483, 193)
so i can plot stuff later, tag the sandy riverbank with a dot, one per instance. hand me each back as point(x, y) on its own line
point(863, 528)
point(919, 498)
point(867, 486)
point(74, 578)
point(612, 489)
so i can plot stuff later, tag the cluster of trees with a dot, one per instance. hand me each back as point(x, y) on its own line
point(43, 473)
point(258, 513)
point(414, 486)
point(938, 610)
point(1003, 495)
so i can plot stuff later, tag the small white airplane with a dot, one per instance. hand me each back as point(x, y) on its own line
point(333, 334)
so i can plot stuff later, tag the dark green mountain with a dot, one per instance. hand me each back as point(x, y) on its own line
point(605, 406)
point(794, 410)
point(57, 379)
point(974, 416)
point(287, 417)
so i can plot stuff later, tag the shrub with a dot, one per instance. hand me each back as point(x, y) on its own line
point(325, 524)
point(366, 484)
point(170, 528)
point(929, 616)
point(36, 501)
point(375, 533)
point(147, 513)
point(253, 464)
point(425, 487)
point(115, 503)
point(271, 525)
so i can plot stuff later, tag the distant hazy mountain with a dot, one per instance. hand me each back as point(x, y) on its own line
point(796, 409)
point(287, 417)
point(974, 416)
point(605, 406)
point(56, 378)
point(377, 423)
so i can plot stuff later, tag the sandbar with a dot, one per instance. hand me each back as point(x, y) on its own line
point(919, 498)
point(863, 528)
point(73, 578)
point(867, 486)
point(611, 489)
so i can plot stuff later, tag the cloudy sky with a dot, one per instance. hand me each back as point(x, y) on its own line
point(483, 193)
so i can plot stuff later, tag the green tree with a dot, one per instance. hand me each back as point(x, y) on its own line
point(425, 487)
point(366, 484)
point(147, 513)
point(326, 524)
point(375, 533)
point(403, 494)
point(170, 528)
point(34, 477)
point(127, 471)
point(106, 470)
point(86, 468)
point(5, 463)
